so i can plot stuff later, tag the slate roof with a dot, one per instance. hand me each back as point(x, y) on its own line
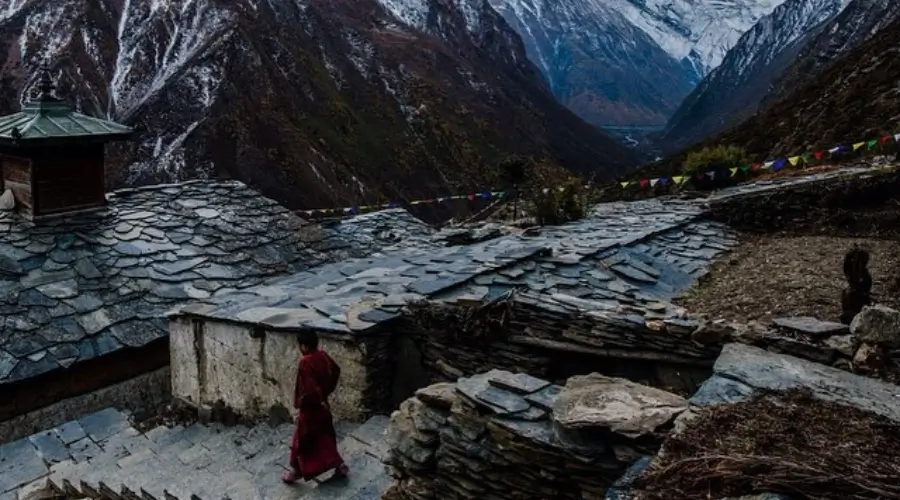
point(79, 286)
point(640, 252)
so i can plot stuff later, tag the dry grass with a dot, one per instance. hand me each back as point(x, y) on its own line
point(807, 448)
point(772, 276)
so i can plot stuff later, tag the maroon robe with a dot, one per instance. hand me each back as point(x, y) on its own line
point(314, 446)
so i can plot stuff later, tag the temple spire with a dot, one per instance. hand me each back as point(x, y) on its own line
point(46, 85)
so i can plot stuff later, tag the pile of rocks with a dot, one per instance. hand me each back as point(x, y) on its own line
point(501, 435)
point(870, 345)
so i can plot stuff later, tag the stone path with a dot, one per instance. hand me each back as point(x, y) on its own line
point(102, 456)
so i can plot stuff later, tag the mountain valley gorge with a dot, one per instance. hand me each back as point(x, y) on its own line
point(336, 103)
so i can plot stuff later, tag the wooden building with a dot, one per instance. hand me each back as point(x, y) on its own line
point(52, 158)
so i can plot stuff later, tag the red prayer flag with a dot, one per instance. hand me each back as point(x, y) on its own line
point(818, 155)
point(885, 139)
point(644, 183)
point(755, 167)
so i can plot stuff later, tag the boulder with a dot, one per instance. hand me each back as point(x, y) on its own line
point(844, 344)
point(869, 358)
point(877, 325)
point(621, 406)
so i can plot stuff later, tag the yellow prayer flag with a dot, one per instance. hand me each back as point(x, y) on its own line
point(858, 145)
point(625, 184)
point(794, 160)
point(733, 171)
point(678, 179)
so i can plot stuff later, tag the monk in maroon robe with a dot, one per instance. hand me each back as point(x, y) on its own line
point(314, 445)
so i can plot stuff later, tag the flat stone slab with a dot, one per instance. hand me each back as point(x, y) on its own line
point(521, 383)
point(811, 326)
point(622, 406)
point(763, 370)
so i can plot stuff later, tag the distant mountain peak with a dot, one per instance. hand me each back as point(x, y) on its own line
point(628, 62)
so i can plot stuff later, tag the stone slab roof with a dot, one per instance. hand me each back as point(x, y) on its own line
point(643, 251)
point(762, 187)
point(625, 253)
point(76, 287)
point(356, 295)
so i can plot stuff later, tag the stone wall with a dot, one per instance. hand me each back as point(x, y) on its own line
point(253, 371)
point(145, 393)
point(501, 435)
point(795, 203)
point(562, 338)
point(559, 337)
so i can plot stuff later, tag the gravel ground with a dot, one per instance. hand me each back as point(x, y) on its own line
point(771, 276)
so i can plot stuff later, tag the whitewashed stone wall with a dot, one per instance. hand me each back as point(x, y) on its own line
point(215, 361)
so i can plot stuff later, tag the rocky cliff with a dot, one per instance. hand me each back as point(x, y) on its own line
point(317, 103)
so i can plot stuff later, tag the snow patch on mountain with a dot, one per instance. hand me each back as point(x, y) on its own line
point(411, 12)
point(415, 13)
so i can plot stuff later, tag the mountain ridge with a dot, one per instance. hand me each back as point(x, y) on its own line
point(352, 107)
point(628, 62)
point(733, 91)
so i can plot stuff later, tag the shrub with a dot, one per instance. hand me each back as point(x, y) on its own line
point(561, 205)
point(713, 157)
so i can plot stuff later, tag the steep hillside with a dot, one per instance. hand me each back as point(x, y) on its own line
point(628, 62)
point(856, 98)
point(733, 91)
point(858, 22)
point(316, 102)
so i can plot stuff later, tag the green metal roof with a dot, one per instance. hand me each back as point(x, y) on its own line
point(47, 117)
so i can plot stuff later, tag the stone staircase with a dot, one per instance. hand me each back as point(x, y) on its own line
point(101, 456)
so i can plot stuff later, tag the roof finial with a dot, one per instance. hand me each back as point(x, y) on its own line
point(46, 86)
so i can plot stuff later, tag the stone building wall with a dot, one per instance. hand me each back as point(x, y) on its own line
point(501, 435)
point(252, 372)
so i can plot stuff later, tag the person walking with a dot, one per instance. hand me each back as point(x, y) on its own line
point(314, 444)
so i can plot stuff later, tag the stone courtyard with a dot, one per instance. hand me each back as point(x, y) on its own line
point(502, 319)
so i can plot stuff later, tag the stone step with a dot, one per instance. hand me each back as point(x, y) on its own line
point(112, 460)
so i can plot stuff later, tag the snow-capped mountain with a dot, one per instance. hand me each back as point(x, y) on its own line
point(732, 91)
point(597, 63)
point(628, 62)
point(697, 31)
point(316, 102)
